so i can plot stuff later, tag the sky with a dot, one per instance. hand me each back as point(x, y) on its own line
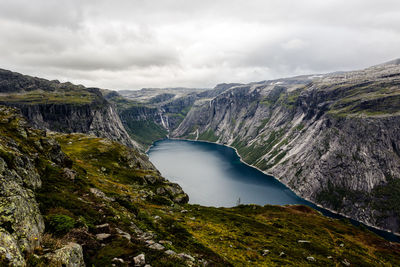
point(132, 44)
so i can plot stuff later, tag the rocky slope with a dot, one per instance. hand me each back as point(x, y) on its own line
point(79, 200)
point(334, 139)
point(23, 152)
point(38, 183)
point(62, 107)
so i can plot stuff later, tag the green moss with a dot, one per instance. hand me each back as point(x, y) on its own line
point(59, 223)
point(145, 132)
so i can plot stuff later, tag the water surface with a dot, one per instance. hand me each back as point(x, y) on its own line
point(213, 175)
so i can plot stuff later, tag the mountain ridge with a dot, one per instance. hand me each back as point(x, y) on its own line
point(272, 125)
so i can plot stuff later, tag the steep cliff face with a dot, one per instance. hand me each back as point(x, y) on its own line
point(334, 139)
point(23, 154)
point(62, 107)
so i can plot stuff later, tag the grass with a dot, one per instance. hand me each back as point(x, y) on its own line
point(145, 132)
point(242, 234)
point(377, 98)
point(72, 96)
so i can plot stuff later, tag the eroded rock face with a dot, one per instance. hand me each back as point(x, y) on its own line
point(21, 224)
point(69, 256)
point(334, 139)
point(62, 107)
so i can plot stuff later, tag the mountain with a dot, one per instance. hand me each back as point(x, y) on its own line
point(62, 107)
point(80, 200)
point(333, 139)
point(150, 114)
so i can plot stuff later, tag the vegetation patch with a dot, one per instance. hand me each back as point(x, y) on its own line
point(208, 135)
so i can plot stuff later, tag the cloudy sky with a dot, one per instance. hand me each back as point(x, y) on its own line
point(132, 44)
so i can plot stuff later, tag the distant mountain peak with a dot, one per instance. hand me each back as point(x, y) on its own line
point(392, 62)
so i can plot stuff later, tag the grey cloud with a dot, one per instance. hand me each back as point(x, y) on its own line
point(45, 13)
point(129, 44)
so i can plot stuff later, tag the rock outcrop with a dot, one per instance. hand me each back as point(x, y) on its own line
point(70, 255)
point(21, 150)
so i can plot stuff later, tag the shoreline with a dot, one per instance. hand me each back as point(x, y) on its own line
point(266, 173)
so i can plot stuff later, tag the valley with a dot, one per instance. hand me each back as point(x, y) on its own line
point(72, 160)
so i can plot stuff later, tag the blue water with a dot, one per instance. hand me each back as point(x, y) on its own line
point(213, 175)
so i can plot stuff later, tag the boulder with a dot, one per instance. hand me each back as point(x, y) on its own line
point(139, 260)
point(70, 255)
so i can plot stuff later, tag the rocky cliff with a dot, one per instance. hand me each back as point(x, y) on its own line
point(334, 139)
point(23, 154)
point(62, 107)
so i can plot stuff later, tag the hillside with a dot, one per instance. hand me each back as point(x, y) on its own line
point(62, 107)
point(76, 200)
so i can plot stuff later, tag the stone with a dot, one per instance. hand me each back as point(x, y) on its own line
point(123, 234)
point(170, 252)
point(118, 260)
point(157, 246)
point(185, 256)
point(102, 236)
point(165, 242)
point(160, 191)
point(282, 254)
point(69, 174)
point(265, 252)
point(303, 241)
point(310, 258)
point(70, 255)
point(100, 194)
point(104, 228)
point(139, 260)
point(150, 179)
point(150, 242)
point(345, 262)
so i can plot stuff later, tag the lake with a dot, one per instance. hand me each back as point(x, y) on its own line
point(213, 175)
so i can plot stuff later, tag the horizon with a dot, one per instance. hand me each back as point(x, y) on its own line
point(197, 88)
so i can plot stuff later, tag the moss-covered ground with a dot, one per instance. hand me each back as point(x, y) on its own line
point(247, 235)
point(67, 96)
